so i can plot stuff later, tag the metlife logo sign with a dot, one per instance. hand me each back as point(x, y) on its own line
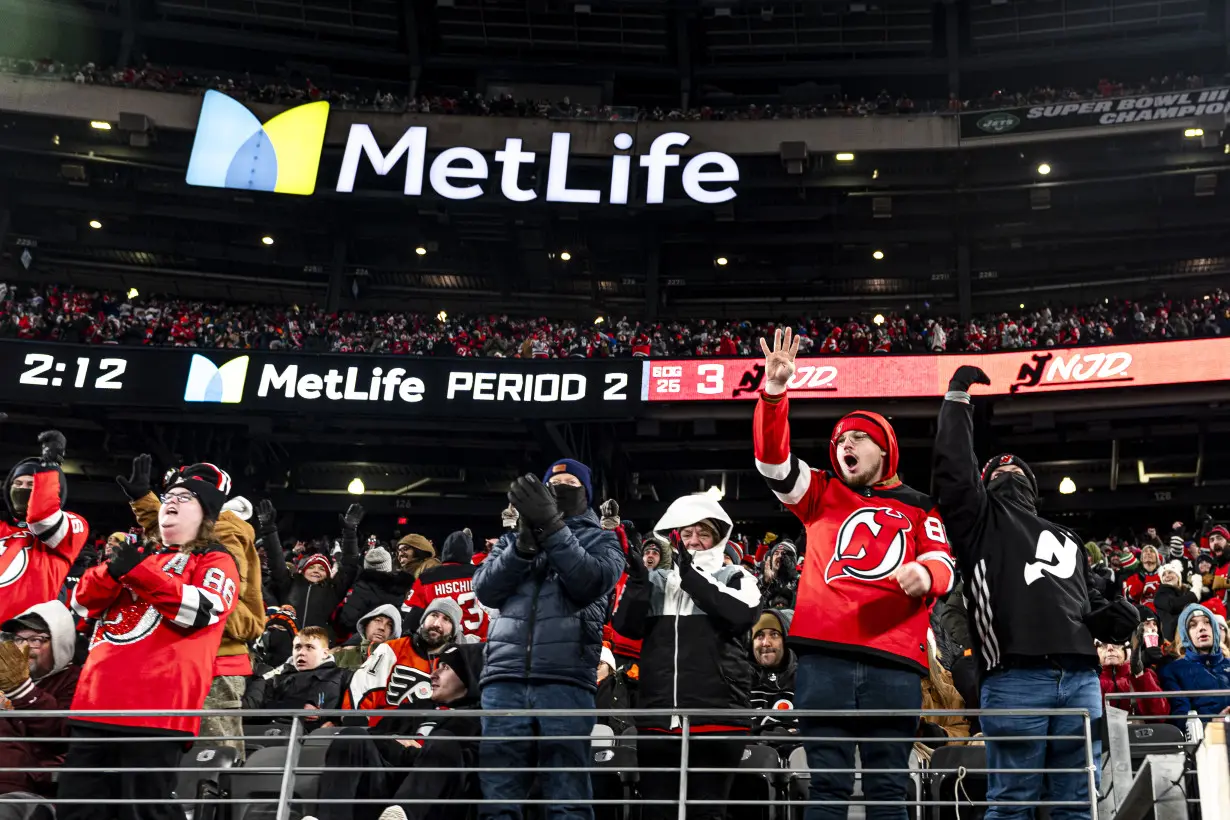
point(460, 173)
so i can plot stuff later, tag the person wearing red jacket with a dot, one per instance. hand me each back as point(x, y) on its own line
point(453, 578)
point(39, 540)
point(159, 619)
point(877, 557)
point(1117, 675)
point(1141, 586)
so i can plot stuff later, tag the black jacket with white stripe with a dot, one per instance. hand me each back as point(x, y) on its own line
point(1025, 577)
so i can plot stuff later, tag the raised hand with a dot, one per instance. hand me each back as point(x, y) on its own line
point(137, 485)
point(779, 360)
point(965, 376)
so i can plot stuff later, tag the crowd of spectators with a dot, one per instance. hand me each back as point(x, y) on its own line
point(248, 88)
point(92, 317)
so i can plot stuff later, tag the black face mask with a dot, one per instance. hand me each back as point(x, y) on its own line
point(20, 496)
point(1013, 487)
point(570, 500)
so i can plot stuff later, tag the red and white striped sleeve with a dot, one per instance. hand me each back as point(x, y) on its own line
point(935, 554)
point(796, 485)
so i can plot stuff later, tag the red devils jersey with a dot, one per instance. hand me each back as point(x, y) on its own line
point(856, 539)
point(35, 558)
point(157, 635)
point(620, 645)
point(451, 581)
point(1141, 587)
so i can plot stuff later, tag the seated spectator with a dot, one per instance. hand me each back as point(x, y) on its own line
point(612, 693)
point(773, 672)
point(381, 624)
point(275, 644)
point(397, 671)
point(452, 576)
point(377, 584)
point(311, 680)
point(159, 620)
point(779, 580)
point(445, 744)
point(36, 672)
point(938, 692)
point(314, 592)
point(1201, 667)
point(1173, 597)
point(1149, 647)
point(1118, 675)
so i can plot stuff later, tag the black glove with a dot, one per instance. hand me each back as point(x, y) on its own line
point(537, 506)
point(53, 444)
point(636, 563)
point(683, 560)
point(267, 516)
point(354, 514)
point(137, 485)
point(123, 559)
point(527, 545)
point(966, 375)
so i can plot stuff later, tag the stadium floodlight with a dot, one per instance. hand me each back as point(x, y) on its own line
point(100, 125)
point(721, 261)
point(1044, 168)
point(599, 320)
point(845, 156)
point(356, 486)
point(1022, 306)
point(420, 250)
point(133, 293)
point(878, 319)
point(1067, 486)
point(565, 256)
point(442, 316)
point(95, 224)
point(266, 240)
point(877, 255)
point(1192, 133)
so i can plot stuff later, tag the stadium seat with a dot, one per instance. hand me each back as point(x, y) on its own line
point(202, 781)
point(1154, 738)
point(262, 735)
point(613, 779)
point(943, 785)
point(601, 737)
point(242, 784)
point(756, 785)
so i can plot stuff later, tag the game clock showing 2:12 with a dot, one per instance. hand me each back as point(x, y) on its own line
point(43, 370)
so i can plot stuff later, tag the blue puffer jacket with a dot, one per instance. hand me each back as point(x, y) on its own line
point(552, 607)
point(1195, 672)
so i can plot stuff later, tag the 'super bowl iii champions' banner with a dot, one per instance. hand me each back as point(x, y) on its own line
point(267, 382)
point(1100, 113)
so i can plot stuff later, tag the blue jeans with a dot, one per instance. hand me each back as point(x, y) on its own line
point(1049, 688)
point(569, 792)
point(838, 682)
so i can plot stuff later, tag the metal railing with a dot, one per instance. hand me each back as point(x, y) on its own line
point(283, 774)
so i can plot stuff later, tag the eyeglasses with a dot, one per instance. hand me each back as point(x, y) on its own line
point(178, 498)
point(36, 641)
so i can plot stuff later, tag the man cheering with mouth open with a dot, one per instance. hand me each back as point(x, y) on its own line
point(877, 555)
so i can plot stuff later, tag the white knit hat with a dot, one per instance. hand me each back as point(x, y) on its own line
point(608, 657)
point(1171, 566)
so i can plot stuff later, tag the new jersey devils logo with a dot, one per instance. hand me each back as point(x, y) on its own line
point(127, 622)
point(870, 545)
point(14, 557)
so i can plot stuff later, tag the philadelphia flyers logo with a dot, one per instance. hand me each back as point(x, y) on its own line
point(870, 545)
point(783, 705)
point(14, 557)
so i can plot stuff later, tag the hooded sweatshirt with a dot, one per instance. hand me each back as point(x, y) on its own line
point(1195, 671)
point(53, 691)
point(692, 624)
point(372, 589)
point(353, 656)
point(453, 578)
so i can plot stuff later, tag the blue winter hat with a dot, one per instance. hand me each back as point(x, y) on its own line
point(573, 468)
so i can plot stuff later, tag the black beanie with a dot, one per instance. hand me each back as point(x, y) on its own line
point(210, 484)
point(1003, 460)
